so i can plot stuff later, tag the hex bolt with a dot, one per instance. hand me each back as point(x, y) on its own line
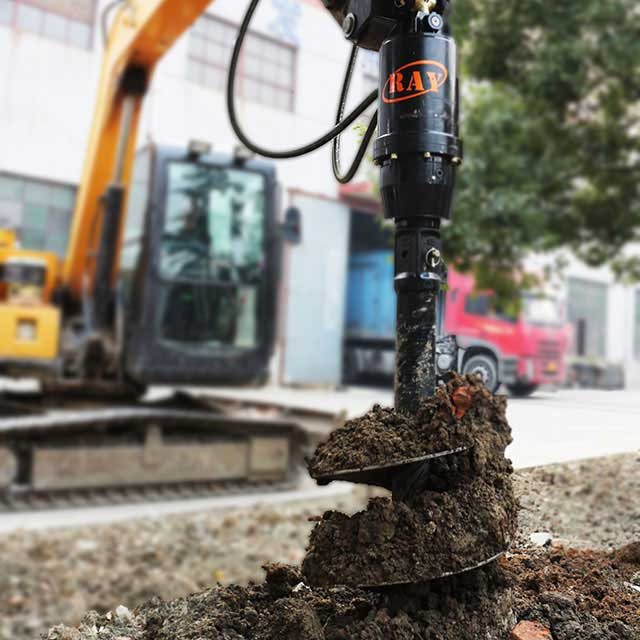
point(433, 258)
point(435, 21)
point(349, 25)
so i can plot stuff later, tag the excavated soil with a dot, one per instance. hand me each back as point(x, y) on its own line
point(392, 543)
point(384, 436)
point(467, 515)
point(468, 511)
point(578, 595)
point(284, 608)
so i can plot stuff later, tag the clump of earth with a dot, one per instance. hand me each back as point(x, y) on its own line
point(384, 436)
point(466, 516)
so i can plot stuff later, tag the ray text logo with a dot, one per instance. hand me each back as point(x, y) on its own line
point(414, 80)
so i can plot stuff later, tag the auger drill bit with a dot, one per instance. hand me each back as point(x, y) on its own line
point(418, 151)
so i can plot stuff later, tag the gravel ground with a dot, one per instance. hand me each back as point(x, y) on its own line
point(583, 504)
point(52, 577)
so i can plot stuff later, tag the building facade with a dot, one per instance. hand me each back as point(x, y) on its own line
point(290, 76)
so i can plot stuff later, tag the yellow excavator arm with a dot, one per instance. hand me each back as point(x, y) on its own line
point(142, 32)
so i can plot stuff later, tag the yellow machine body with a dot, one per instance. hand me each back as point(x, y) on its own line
point(29, 323)
point(29, 333)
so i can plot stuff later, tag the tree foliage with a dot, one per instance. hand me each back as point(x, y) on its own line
point(551, 126)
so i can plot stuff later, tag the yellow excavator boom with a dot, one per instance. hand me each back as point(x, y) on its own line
point(142, 32)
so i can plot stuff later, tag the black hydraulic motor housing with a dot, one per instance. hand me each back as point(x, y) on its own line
point(418, 150)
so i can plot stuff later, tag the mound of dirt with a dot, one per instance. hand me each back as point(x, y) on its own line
point(391, 542)
point(467, 515)
point(578, 595)
point(384, 436)
point(283, 608)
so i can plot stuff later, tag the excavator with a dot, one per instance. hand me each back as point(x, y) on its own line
point(170, 277)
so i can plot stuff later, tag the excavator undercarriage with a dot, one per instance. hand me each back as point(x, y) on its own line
point(182, 446)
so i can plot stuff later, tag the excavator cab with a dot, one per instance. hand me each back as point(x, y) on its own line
point(193, 294)
point(197, 282)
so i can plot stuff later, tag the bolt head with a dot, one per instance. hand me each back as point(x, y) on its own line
point(434, 258)
point(435, 21)
point(349, 24)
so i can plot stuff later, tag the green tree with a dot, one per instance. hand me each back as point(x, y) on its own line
point(551, 126)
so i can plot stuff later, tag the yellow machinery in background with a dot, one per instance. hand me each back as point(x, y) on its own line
point(143, 296)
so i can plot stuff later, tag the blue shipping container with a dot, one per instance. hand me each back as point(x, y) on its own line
point(371, 299)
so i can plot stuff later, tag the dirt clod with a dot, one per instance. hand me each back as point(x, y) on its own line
point(384, 436)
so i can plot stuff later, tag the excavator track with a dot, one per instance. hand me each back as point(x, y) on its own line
point(16, 502)
point(177, 449)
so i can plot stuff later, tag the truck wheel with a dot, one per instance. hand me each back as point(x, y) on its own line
point(486, 366)
point(521, 389)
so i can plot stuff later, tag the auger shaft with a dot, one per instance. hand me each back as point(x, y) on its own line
point(417, 151)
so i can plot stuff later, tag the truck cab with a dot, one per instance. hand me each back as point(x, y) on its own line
point(522, 350)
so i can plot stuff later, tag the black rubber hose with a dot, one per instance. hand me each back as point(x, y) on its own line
point(364, 144)
point(233, 117)
point(357, 161)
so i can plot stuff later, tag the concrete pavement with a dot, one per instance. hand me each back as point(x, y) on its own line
point(551, 426)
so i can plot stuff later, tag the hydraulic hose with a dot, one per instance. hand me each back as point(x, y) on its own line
point(364, 144)
point(233, 116)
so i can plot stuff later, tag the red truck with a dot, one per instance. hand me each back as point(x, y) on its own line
point(521, 352)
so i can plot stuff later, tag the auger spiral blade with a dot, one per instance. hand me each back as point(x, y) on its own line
point(437, 576)
point(401, 477)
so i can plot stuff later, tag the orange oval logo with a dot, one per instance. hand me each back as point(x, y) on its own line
point(414, 80)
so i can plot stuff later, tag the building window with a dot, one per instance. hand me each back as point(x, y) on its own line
point(266, 71)
point(68, 21)
point(40, 212)
point(587, 306)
